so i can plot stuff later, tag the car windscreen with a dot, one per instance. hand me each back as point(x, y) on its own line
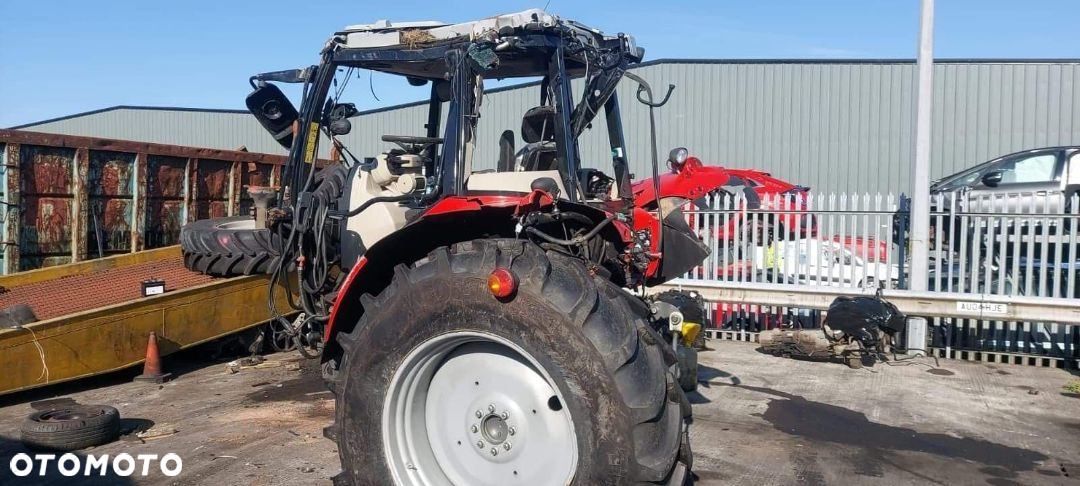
point(963, 179)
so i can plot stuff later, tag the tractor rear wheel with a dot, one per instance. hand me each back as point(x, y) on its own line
point(440, 382)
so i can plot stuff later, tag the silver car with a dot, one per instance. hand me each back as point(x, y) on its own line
point(1033, 181)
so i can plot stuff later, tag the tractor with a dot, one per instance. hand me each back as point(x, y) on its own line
point(479, 322)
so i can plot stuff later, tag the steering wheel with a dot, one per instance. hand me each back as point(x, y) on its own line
point(412, 145)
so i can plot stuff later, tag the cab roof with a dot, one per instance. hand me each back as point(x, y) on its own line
point(418, 48)
point(385, 33)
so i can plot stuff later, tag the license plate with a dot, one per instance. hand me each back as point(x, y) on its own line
point(982, 308)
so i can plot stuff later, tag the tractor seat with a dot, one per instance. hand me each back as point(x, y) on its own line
point(538, 132)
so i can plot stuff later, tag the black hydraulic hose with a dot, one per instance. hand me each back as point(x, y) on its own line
point(643, 87)
point(577, 240)
point(545, 218)
point(377, 199)
point(656, 186)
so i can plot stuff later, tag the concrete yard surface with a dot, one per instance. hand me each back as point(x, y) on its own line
point(758, 420)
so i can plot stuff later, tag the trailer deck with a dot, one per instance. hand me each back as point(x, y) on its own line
point(93, 318)
point(81, 292)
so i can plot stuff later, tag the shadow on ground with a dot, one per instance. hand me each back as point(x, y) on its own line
point(308, 386)
point(877, 443)
point(709, 377)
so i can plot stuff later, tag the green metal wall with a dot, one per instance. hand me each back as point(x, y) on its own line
point(832, 125)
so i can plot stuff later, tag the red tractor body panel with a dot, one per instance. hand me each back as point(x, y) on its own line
point(788, 200)
point(456, 209)
point(692, 181)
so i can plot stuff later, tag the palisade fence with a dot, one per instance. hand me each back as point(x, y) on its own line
point(1009, 244)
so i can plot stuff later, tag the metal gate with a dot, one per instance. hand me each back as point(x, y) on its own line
point(987, 254)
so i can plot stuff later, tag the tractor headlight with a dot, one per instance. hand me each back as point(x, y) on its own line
point(678, 156)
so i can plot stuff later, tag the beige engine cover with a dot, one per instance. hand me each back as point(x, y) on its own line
point(380, 219)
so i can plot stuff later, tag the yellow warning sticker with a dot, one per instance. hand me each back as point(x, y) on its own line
point(309, 148)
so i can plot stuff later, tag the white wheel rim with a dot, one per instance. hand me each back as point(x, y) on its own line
point(472, 408)
point(244, 224)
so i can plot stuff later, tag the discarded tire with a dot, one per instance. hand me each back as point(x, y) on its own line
point(71, 427)
point(229, 246)
point(560, 383)
point(234, 246)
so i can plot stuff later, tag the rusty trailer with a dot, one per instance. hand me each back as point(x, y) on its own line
point(68, 198)
point(93, 317)
point(85, 221)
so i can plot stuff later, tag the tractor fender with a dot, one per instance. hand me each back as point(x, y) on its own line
point(451, 220)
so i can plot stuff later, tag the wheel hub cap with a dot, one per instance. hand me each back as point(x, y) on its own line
point(495, 429)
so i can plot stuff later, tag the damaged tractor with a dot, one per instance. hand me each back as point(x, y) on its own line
point(477, 320)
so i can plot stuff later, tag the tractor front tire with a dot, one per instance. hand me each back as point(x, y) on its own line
point(441, 382)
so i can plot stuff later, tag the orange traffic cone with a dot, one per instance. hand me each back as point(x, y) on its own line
point(152, 366)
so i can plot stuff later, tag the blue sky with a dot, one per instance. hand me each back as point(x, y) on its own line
point(63, 57)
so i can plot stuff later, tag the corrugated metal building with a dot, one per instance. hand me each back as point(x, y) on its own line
point(832, 125)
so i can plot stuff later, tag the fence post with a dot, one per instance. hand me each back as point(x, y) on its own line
point(920, 171)
point(903, 215)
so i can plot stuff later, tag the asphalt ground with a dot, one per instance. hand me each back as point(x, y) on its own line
point(758, 420)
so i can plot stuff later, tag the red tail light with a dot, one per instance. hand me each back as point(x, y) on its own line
point(502, 283)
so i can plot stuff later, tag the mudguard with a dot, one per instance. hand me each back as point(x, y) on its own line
point(682, 249)
point(451, 220)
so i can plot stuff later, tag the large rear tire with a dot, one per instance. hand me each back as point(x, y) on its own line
point(562, 383)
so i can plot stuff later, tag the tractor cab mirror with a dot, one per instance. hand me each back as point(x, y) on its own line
point(443, 91)
point(274, 111)
point(338, 119)
point(992, 178)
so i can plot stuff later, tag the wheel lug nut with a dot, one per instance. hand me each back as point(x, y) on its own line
point(480, 444)
point(512, 431)
point(475, 429)
point(479, 414)
point(491, 408)
point(506, 446)
point(505, 415)
point(494, 451)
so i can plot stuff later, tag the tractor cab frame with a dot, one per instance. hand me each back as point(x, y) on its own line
point(431, 176)
point(454, 60)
